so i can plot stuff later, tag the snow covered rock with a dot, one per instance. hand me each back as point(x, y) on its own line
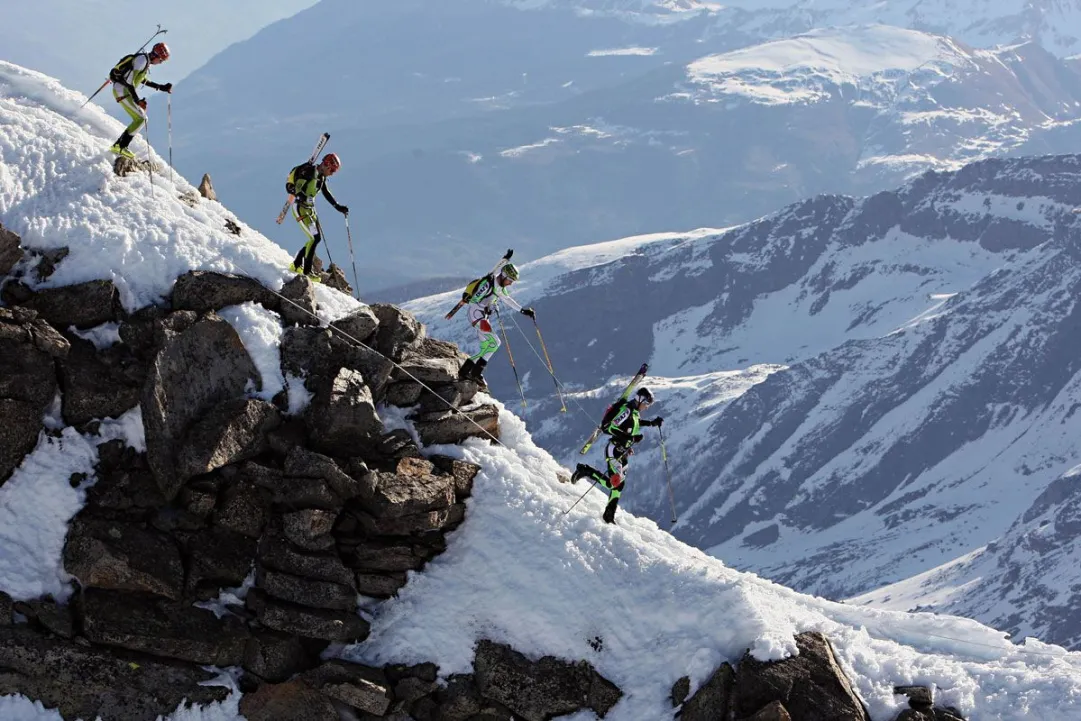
point(175, 397)
point(83, 305)
point(711, 700)
point(359, 324)
point(231, 432)
point(299, 307)
point(203, 291)
point(439, 427)
point(10, 250)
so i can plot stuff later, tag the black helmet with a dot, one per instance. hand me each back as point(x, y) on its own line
point(645, 395)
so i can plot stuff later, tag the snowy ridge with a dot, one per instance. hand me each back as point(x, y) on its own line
point(518, 569)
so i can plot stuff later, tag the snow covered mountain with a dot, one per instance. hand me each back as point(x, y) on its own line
point(642, 607)
point(856, 392)
point(596, 126)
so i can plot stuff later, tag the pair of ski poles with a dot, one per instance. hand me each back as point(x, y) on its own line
point(547, 360)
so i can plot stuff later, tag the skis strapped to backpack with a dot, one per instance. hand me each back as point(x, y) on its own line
point(608, 412)
point(289, 199)
point(465, 298)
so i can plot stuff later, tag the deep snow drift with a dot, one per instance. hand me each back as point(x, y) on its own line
point(518, 570)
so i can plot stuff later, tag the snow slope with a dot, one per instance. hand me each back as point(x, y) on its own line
point(518, 569)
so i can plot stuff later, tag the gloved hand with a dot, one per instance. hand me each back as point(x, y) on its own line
point(658, 421)
point(530, 312)
point(168, 87)
point(637, 438)
point(343, 209)
point(141, 103)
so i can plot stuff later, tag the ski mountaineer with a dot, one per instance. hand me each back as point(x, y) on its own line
point(623, 424)
point(305, 181)
point(128, 75)
point(482, 295)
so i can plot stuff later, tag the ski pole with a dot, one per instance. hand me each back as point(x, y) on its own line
point(107, 80)
point(510, 355)
point(149, 162)
point(579, 499)
point(169, 114)
point(668, 475)
point(551, 371)
point(326, 243)
point(95, 94)
point(352, 258)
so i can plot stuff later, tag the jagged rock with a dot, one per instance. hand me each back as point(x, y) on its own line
point(920, 697)
point(412, 489)
point(912, 714)
point(459, 700)
point(232, 226)
point(307, 464)
point(680, 690)
point(427, 370)
point(539, 690)
point(99, 383)
point(124, 557)
point(18, 432)
point(46, 613)
point(84, 305)
point(446, 396)
point(317, 354)
point(189, 198)
point(341, 418)
point(359, 324)
point(434, 348)
point(245, 507)
point(5, 609)
point(335, 278)
point(301, 311)
point(160, 628)
point(206, 188)
point(452, 427)
point(275, 552)
point(811, 685)
point(11, 251)
point(275, 656)
point(306, 622)
point(413, 524)
point(200, 496)
point(383, 556)
point(124, 166)
point(217, 558)
point(233, 431)
point(87, 683)
point(295, 493)
point(364, 688)
point(402, 394)
point(411, 688)
point(396, 672)
point(463, 472)
point(380, 585)
point(310, 528)
point(290, 434)
point(125, 483)
point(771, 712)
point(48, 261)
point(393, 447)
point(205, 290)
point(307, 592)
point(712, 699)
point(398, 330)
point(174, 397)
point(293, 700)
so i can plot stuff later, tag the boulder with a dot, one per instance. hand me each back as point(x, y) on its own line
point(205, 290)
point(811, 685)
point(46, 614)
point(381, 556)
point(275, 656)
point(402, 394)
point(920, 697)
point(444, 396)
point(293, 700)
point(774, 711)
point(430, 371)
point(380, 585)
point(18, 433)
point(334, 278)
point(83, 305)
point(123, 556)
point(316, 623)
point(310, 528)
point(162, 628)
point(398, 330)
point(174, 397)
point(681, 689)
point(363, 688)
point(305, 591)
point(99, 383)
point(11, 251)
point(713, 699)
point(87, 683)
point(125, 485)
point(459, 700)
point(216, 558)
point(244, 506)
point(299, 306)
point(358, 325)
point(341, 418)
point(206, 188)
point(454, 427)
point(5, 609)
point(463, 472)
point(303, 463)
point(539, 690)
point(413, 488)
point(233, 431)
point(276, 553)
point(414, 524)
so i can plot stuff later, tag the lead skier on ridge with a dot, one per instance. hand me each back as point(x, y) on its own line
point(128, 75)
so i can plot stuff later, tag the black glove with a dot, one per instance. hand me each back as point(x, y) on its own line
point(290, 188)
point(610, 511)
point(637, 438)
point(343, 209)
point(529, 312)
point(658, 421)
point(168, 87)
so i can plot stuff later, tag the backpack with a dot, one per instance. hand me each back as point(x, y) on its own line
point(121, 68)
point(471, 289)
point(610, 413)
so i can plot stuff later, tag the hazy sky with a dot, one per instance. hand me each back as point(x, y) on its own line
point(79, 40)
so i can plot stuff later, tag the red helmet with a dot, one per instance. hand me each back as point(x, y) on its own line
point(160, 51)
point(330, 163)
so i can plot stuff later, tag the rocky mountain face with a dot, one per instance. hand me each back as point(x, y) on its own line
point(247, 533)
point(854, 391)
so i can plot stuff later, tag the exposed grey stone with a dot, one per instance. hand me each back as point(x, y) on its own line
point(308, 464)
point(380, 585)
point(402, 394)
point(123, 556)
point(99, 383)
point(412, 524)
point(713, 698)
point(306, 622)
point(206, 188)
point(124, 482)
point(83, 305)
point(174, 397)
point(393, 447)
point(811, 685)
point(411, 688)
point(309, 528)
point(412, 489)
point(375, 555)
point(11, 251)
point(87, 682)
point(296, 493)
point(359, 324)
point(160, 628)
point(680, 690)
point(918, 696)
point(459, 700)
point(275, 552)
point(244, 507)
point(301, 310)
point(292, 700)
point(364, 688)
point(451, 427)
point(398, 330)
point(341, 418)
point(233, 431)
point(306, 591)
point(774, 711)
point(205, 290)
point(18, 432)
point(441, 371)
point(463, 472)
point(275, 656)
point(5, 609)
point(46, 613)
point(217, 558)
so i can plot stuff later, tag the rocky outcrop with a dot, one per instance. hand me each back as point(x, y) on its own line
point(99, 383)
point(204, 290)
point(11, 251)
point(84, 305)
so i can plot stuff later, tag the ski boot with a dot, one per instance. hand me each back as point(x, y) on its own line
point(609, 515)
point(465, 373)
point(582, 471)
point(122, 152)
